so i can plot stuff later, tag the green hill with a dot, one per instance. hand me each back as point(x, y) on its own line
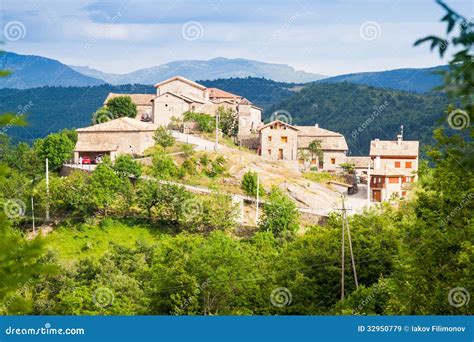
point(363, 113)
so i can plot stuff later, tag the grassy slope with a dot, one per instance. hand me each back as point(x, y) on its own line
point(83, 240)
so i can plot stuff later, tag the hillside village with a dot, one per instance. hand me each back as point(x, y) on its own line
point(386, 173)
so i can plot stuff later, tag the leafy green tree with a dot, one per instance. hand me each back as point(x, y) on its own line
point(57, 147)
point(163, 166)
point(164, 137)
point(121, 106)
point(228, 121)
point(125, 166)
point(280, 214)
point(206, 122)
point(105, 186)
point(437, 249)
point(316, 149)
point(249, 183)
point(101, 115)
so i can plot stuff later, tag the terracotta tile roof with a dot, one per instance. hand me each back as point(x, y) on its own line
point(394, 148)
point(329, 140)
point(124, 124)
point(216, 93)
point(138, 99)
point(182, 79)
point(277, 121)
point(360, 162)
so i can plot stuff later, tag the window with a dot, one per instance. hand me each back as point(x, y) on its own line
point(269, 152)
point(284, 139)
point(407, 179)
point(269, 138)
point(404, 193)
point(397, 164)
point(393, 180)
point(408, 165)
point(333, 161)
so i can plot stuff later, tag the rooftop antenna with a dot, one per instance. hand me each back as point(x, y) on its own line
point(401, 131)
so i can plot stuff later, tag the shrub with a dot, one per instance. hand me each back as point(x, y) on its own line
point(280, 214)
point(164, 137)
point(206, 122)
point(249, 184)
point(163, 166)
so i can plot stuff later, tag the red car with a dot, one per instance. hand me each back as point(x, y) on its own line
point(86, 160)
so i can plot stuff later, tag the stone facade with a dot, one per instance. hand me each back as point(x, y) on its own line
point(279, 141)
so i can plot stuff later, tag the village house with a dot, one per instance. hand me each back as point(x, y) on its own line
point(113, 138)
point(282, 141)
point(361, 164)
point(395, 164)
point(177, 95)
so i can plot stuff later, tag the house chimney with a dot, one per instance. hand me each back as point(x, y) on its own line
point(376, 142)
point(316, 125)
point(399, 139)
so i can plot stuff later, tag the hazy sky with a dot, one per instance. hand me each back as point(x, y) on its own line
point(326, 37)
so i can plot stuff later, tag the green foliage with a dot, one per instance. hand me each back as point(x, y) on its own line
point(125, 166)
point(315, 149)
point(206, 122)
point(106, 186)
point(249, 184)
point(57, 147)
point(348, 167)
point(164, 137)
point(280, 214)
point(228, 121)
point(163, 165)
point(121, 106)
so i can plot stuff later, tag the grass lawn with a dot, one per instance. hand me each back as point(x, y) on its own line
point(84, 240)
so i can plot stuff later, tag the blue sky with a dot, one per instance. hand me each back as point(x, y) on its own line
point(325, 37)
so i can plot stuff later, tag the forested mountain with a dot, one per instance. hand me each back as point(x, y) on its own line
point(50, 109)
point(363, 113)
point(416, 80)
point(263, 92)
point(37, 71)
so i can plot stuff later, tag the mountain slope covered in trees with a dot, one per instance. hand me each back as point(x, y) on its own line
point(364, 113)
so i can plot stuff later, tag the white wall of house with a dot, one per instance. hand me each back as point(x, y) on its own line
point(405, 165)
point(180, 87)
point(166, 106)
point(130, 142)
point(333, 159)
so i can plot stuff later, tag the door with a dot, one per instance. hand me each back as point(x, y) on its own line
point(280, 154)
point(377, 195)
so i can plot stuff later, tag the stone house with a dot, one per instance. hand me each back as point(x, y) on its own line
point(278, 141)
point(361, 165)
point(395, 164)
point(113, 138)
point(177, 95)
point(281, 141)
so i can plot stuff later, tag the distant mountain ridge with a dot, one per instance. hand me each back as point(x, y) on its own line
point(216, 68)
point(410, 79)
point(36, 71)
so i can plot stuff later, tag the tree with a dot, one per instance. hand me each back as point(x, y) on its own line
point(249, 183)
point(125, 166)
point(163, 165)
point(103, 114)
point(315, 149)
point(280, 214)
point(105, 185)
point(57, 147)
point(164, 137)
point(121, 106)
point(229, 121)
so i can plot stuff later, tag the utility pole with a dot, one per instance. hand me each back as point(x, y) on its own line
point(33, 214)
point(350, 246)
point(258, 198)
point(342, 249)
point(47, 190)
point(368, 185)
point(217, 132)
